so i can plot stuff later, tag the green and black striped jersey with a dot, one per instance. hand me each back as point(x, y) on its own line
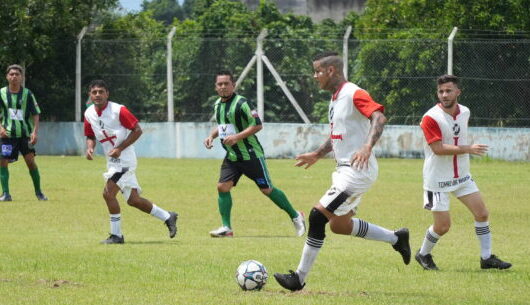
point(16, 111)
point(234, 116)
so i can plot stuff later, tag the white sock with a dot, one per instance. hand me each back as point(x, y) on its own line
point(159, 213)
point(309, 254)
point(366, 230)
point(115, 225)
point(482, 229)
point(430, 240)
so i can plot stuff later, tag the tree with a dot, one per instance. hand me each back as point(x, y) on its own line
point(414, 33)
point(164, 10)
point(40, 35)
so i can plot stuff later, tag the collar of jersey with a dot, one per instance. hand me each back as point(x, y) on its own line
point(336, 94)
point(99, 112)
point(229, 100)
point(457, 110)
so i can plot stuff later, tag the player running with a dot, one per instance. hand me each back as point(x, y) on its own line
point(238, 124)
point(356, 123)
point(446, 170)
point(116, 129)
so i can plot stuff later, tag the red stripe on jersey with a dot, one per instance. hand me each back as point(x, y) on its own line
point(89, 132)
point(455, 160)
point(431, 130)
point(365, 104)
point(127, 119)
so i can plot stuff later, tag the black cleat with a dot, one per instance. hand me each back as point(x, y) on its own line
point(402, 245)
point(494, 262)
point(6, 197)
point(425, 261)
point(113, 239)
point(289, 281)
point(171, 224)
point(41, 196)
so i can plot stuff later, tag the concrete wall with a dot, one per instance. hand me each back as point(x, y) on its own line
point(184, 140)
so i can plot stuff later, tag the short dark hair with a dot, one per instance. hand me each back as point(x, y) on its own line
point(225, 72)
point(330, 59)
point(448, 78)
point(16, 67)
point(98, 83)
point(325, 54)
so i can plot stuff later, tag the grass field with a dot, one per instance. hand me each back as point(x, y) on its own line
point(50, 251)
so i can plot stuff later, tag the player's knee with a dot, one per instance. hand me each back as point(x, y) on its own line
point(223, 187)
point(106, 195)
point(317, 224)
point(441, 229)
point(133, 200)
point(266, 191)
point(482, 215)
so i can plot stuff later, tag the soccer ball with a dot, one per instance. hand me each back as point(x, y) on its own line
point(251, 275)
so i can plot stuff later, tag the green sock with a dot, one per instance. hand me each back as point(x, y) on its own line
point(4, 178)
point(279, 198)
point(34, 173)
point(225, 207)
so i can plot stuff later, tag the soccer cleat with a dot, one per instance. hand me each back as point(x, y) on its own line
point(494, 262)
point(402, 245)
point(113, 239)
point(41, 196)
point(171, 224)
point(6, 197)
point(299, 224)
point(289, 281)
point(222, 232)
point(425, 261)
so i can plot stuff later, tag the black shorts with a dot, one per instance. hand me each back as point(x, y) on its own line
point(255, 169)
point(12, 146)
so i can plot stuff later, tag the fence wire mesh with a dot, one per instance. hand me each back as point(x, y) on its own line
point(400, 74)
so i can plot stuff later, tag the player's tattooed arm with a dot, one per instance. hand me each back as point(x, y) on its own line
point(378, 121)
point(324, 149)
point(360, 158)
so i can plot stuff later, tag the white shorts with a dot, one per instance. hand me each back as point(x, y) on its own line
point(347, 187)
point(439, 201)
point(126, 182)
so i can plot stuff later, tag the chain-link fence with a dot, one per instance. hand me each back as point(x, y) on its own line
point(400, 74)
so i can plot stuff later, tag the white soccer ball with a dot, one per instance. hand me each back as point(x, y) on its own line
point(251, 275)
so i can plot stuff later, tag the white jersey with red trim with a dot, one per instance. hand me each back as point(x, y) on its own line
point(349, 111)
point(110, 132)
point(444, 173)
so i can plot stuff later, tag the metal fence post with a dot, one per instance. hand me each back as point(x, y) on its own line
point(450, 51)
point(170, 105)
point(78, 75)
point(259, 75)
point(345, 50)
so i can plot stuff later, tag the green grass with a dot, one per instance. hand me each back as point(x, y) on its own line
point(49, 251)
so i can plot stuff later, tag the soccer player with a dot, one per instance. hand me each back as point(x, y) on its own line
point(19, 128)
point(116, 129)
point(238, 124)
point(446, 171)
point(356, 123)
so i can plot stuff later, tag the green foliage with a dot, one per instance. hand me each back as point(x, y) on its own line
point(165, 10)
point(41, 35)
point(136, 75)
point(396, 51)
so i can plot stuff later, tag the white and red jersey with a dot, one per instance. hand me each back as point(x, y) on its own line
point(444, 173)
point(349, 111)
point(110, 127)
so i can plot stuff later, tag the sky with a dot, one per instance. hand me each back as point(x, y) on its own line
point(134, 5)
